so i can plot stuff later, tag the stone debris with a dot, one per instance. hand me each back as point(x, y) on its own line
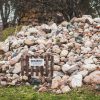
point(75, 46)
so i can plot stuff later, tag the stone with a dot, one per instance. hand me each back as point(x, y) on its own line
point(85, 49)
point(32, 30)
point(97, 87)
point(4, 67)
point(83, 73)
point(88, 43)
point(57, 73)
point(25, 78)
point(64, 53)
point(13, 83)
point(45, 27)
point(93, 78)
point(17, 68)
point(41, 41)
point(3, 83)
point(29, 42)
point(54, 85)
point(69, 68)
point(15, 76)
point(53, 28)
point(65, 78)
point(55, 82)
point(76, 81)
point(64, 23)
point(63, 59)
point(56, 59)
point(65, 89)
point(89, 67)
point(57, 68)
point(65, 67)
point(42, 89)
point(4, 47)
point(15, 59)
point(97, 20)
point(56, 49)
point(58, 91)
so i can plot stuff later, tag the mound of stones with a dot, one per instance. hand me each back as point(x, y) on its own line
point(75, 46)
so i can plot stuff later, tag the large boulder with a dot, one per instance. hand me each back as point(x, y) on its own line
point(69, 68)
point(89, 67)
point(76, 81)
point(93, 78)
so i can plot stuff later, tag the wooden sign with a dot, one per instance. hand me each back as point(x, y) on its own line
point(36, 62)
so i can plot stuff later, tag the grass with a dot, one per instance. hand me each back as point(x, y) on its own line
point(9, 32)
point(27, 93)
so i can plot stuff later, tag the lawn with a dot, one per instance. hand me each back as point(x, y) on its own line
point(27, 93)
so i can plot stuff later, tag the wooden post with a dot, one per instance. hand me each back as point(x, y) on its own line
point(22, 66)
point(52, 64)
point(27, 65)
point(41, 71)
point(46, 66)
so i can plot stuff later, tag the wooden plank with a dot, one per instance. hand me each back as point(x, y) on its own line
point(22, 66)
point(32, 71)
point(27, 65)
point(37, 71)
point(41, 71)
point(52, 64)
point(46, 66)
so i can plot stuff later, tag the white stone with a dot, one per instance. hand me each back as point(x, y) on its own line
point(65, 67)
point(17, 68)
point(57, 73)
point(45, 26)
point(32, 30)
point(65, 89)
point(89, 67)
point(4, 46)
point(83, 73)
point(76, 81)
point(64, 53)
point(56, 49)
point(41, 41)
point(88, 43)
point(97, 20)
point(56, 59)
point(68, 68)
point(3, 83)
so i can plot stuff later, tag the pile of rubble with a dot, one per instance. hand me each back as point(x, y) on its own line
point(75, 46)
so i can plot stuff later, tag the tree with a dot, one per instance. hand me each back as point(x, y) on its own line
point(5, 9)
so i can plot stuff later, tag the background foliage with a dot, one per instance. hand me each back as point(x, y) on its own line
point(46, 9)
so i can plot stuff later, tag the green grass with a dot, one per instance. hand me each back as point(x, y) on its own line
point(27, 93)
point(9, 32)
